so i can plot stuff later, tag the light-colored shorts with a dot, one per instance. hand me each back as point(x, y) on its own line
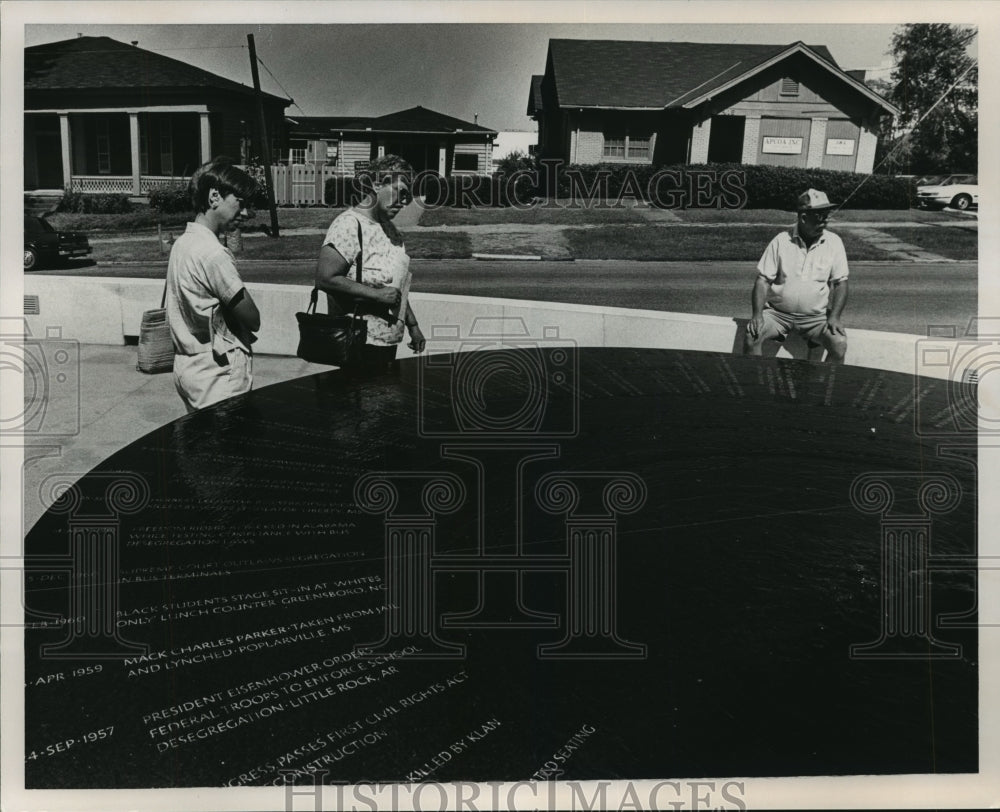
point(201, 380)
point(778, 324)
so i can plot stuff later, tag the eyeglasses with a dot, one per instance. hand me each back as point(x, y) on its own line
point(818, 216)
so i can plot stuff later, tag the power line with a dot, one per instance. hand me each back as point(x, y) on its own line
point(906, 135)
point(289, 95)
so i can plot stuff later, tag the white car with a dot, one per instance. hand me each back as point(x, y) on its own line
point(958, 191)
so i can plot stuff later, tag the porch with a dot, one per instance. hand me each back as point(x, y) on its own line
point(114, 151)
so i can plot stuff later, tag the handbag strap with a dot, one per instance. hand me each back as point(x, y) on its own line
point(163, 298)
point(314, 293)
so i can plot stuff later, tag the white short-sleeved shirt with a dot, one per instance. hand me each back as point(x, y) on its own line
point(201, 274)
point(383, 263)
point(800, 277)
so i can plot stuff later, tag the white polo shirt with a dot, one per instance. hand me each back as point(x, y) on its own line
point(800, 277)
point(201, 274)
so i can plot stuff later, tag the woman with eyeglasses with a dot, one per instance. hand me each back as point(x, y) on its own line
point(211, 315)
point(366, 231)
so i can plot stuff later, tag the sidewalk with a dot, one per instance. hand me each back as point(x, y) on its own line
point(108, 406)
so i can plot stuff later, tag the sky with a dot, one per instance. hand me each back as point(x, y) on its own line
point(460, 69)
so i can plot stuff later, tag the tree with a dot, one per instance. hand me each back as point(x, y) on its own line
point(892, 155)
point(936, 85)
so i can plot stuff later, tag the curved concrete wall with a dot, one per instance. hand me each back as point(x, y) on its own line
point(95, 310)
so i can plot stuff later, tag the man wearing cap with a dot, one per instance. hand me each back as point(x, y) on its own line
point(801, 283)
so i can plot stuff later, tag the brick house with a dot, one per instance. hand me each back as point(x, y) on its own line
point(104, 116)
point(427, 139)
point(606, 101)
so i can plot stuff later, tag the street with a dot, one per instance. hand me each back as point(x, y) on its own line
point(900, 297)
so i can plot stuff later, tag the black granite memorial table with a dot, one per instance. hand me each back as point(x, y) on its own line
point(515, 565)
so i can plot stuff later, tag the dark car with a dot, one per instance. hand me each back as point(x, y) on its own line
point(43, 245)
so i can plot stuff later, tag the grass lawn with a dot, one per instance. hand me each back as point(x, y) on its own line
point(145, 219)
point(536, 215)
point(689, 243)
point(953, 243)
point(438, 245)
point(780, 216)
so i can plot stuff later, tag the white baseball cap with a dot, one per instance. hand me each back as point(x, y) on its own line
point(814, 200)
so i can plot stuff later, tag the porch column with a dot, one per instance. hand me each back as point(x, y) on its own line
point(65, 142)
point(700, 135)
point(206, 138)
point(751, 138)
point(817, 143)
point(133, 132)
point(442, 158)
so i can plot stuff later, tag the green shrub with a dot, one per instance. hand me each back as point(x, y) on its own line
point(172, 199)
point(477, 191)
point(78, 202)
point(722, 185)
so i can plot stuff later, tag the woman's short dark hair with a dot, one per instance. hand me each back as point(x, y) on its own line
point(385, 170)
point(221, 174)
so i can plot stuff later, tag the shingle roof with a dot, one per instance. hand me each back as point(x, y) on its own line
point(415, 119)
point(420, 119)
point(652, 75)
point(324, 125)
point(103, 63)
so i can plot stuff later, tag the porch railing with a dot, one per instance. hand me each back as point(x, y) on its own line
point(298, 184)
point(149, 182)
point(103, 184)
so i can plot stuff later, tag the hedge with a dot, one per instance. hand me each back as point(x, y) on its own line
point(173, 199)
point(176, 199)
point(461, 191)
point(80, 203)
point(723, 185)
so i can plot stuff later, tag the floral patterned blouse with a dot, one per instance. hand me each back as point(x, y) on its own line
point(382, 263)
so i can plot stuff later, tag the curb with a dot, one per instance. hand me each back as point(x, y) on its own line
point(509, 257)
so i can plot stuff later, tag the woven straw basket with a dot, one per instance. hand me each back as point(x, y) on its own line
point(156, 348)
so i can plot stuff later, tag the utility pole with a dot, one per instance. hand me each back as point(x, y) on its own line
point(265, 145)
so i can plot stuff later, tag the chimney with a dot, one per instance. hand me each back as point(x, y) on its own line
point(78, 35)
point(135, 42)
point(475, 119)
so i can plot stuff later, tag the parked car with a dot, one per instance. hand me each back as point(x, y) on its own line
point(43, 245)
point(958, 191)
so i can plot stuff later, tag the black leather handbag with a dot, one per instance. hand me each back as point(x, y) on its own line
point(334, 340)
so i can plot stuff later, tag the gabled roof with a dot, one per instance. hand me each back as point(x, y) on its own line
point(103, 63)
point(735, 75)
point(625, 74)
point(414, 120)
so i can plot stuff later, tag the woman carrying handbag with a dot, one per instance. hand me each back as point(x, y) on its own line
point(383, 289)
